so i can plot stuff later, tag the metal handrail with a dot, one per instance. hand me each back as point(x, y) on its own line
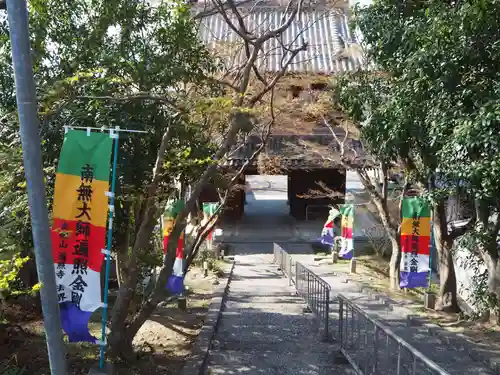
point(373, 349)
point(316, 293)
point(312, 288)
point(369, 346)
point(284, 262)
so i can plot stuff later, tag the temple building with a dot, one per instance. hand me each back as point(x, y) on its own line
point(301, 138)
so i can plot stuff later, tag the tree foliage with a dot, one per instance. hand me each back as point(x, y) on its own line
point(106, 64)
point(129, 64)
point(435, 106)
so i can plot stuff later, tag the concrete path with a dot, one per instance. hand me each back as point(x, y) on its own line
point(264, 330)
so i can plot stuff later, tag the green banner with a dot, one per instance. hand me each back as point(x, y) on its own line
point(174, 208)
point(209, 208)
point(78, 234)
point(415, 207)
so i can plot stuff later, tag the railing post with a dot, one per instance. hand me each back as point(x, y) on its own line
point(297, 277)
point(308, 293)
point(290, 281)
point(398, 370)
point(341, 321)
point(327, 314)
point(375, 349)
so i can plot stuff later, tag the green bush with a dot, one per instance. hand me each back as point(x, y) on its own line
point(9, 282)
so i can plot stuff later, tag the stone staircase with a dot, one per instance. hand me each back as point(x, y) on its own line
point(264, 329)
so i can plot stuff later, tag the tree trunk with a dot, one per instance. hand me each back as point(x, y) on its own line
point(394, 264)
point(120, 345)
point(120, 269)
point(447, 297)
point(126, 294)
point(122, 242)
point(122, 258)
point(491, 261)
point(121, 308)
point(379, 198)
point(489, 253)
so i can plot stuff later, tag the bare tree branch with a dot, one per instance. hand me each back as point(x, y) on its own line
point(324, 192)
point(207, 228)
point(241, 30)
point(213, 11)
point(296, 11)
point(129, 98)
point(253, 43)
point(254, 99)
point(149, 214)
point(224, 83)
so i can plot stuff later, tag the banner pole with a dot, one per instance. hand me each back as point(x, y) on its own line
point(431, 246)
point(432, 231)
point(108, 247)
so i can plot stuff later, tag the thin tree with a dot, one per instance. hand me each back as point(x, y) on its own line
point(243, 99)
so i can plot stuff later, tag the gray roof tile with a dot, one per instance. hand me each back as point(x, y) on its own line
point(325, 31)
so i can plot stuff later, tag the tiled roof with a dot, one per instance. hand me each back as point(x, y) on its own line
point(295, 163)
point(325, 31)
point(294, 156)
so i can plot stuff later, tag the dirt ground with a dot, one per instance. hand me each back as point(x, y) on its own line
point(373, 272)
point(163, 343)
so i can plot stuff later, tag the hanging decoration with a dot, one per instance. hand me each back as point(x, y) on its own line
point(175, 283)
point(209, 209)
point(328, 232)
point(347, 248)
point(79, 227)
point(415, 243)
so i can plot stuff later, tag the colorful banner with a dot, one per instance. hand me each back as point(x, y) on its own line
point(175, 283)
point(209, 209)
point(347, 248)
point(78, 234)
point(415, 243)
point(328, 233)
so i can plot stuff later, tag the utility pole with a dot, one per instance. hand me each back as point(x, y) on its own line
point(17, 14)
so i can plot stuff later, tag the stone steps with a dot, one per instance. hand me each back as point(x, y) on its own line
point(264, 330)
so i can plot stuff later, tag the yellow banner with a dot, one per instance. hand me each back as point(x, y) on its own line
point(347, 221)
point(78, 200)
point(423, 227)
